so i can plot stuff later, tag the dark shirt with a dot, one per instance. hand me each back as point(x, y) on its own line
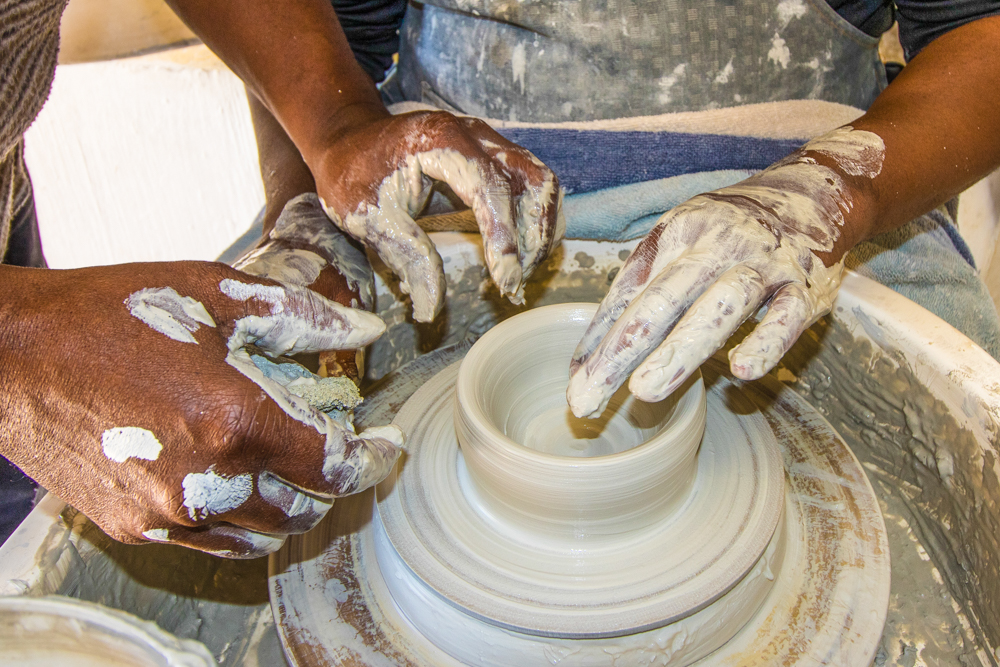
point(372, 26)
point(372, 30)
point(920, 21)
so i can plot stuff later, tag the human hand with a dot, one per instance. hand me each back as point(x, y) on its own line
point(304, 248)
point(710, 263)
point(128, 392)
point(378, 175)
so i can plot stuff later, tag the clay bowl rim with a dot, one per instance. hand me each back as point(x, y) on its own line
point(691, 397)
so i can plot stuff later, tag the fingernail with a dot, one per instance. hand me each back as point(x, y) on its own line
point(389, 432)
point(506, 272)
point(585, 399)
point(748, 367)
point(427, 300)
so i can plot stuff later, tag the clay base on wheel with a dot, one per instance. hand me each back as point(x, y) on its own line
point(826, 604)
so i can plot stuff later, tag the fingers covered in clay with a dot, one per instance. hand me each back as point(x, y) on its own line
point(146, 384)
point(376, 179)
point(305, 248)
point(703, 329)
point(638, 331)
point(790, 312)
point(709, 264)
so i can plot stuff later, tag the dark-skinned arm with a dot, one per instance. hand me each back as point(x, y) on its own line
point(282, 169)
point(940, 121)
point(779, 237)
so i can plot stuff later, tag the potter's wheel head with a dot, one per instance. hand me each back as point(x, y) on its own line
point(554, 544)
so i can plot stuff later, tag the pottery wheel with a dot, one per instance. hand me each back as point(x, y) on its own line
point(433, 517)
point(347, 592)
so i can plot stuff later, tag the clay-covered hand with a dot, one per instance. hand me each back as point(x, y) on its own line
point(128, 391)
point(304, 248)
point(710, 263)
point(378, 174)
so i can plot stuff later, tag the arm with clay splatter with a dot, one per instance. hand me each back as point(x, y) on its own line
point(373, 171)
point(779, 238)
point(171, 427)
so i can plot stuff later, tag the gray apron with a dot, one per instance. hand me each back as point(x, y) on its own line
point(559, 60)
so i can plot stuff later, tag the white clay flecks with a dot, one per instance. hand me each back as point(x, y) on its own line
point(209, 493)
point(166, 311)
point(712, 262)
point(157, 534)
point(130, 442)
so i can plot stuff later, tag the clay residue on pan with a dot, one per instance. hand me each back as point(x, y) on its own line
point(221, 603)
point(931, 475)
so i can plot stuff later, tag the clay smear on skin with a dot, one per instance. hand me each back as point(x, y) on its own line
point(127, 442)
point(387, 225)
point(784, 215)
point(166, 311)
point(293, 503)
point(352, 463)
point(210, 493)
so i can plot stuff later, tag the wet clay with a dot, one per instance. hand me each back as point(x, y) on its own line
point(938, 490)
point(221, 603)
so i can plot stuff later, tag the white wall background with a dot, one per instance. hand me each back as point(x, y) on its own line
point(143, 159)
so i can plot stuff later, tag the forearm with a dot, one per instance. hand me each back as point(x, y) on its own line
point(284, 173)
point(940, 122)
point(294, 57)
